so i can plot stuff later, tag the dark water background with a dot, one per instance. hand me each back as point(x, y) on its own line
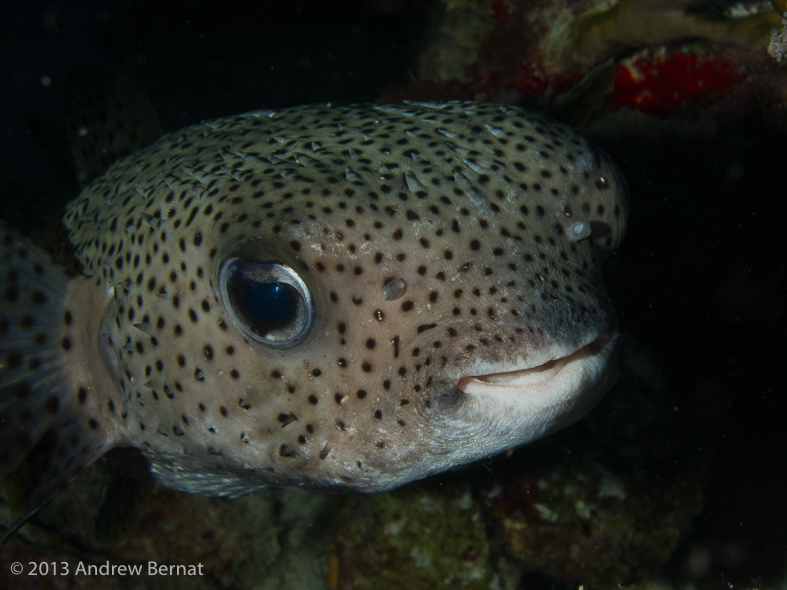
point(700, 279)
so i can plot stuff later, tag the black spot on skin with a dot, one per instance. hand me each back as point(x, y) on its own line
point(82, 395)
point(52, 404)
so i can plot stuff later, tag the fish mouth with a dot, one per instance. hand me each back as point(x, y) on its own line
point(587, 366)
point(555, 387)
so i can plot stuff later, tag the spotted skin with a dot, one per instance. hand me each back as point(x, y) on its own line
point(467, 206)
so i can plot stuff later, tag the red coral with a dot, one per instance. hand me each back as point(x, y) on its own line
point(661, 85)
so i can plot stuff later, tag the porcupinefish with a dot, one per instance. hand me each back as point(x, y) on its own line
point(333, 298)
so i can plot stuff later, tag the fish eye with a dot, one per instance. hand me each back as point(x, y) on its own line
point(268, 302)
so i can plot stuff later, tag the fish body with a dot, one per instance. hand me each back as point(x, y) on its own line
point(343, 298)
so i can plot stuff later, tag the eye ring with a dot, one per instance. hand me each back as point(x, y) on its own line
point(268, 302)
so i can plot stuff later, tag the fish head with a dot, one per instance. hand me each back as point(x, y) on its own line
point(426, 331)
point(358, 327)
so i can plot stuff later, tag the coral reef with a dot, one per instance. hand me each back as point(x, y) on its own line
point(421, 537)
point(605, 31)
point(672, 55)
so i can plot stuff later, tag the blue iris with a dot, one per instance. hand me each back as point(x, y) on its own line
point(269, 303)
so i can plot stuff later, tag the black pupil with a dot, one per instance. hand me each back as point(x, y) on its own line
point(268, 303)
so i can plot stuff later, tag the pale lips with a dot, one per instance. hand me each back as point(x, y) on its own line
point(535, 375)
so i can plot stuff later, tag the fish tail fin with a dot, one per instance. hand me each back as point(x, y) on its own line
point(50, 429)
